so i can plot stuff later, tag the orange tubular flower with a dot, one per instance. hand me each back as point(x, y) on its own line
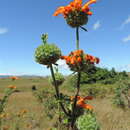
point(81, 102)
point(97, 60)
point(78, 52)
point(79, 59)
point(86, 106)
point(85, 8)
point(68, 59)
point(92, 59)
point(73, 60)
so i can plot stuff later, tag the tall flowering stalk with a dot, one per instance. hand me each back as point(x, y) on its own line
point(47, 54)
point(76, 15)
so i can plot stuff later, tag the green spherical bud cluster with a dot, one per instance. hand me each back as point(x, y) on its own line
point(76, 18)
point(87, 122)
point(58, 77)
point(47, 54)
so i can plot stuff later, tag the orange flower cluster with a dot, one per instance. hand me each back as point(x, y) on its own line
point(74, 57)
point(78, 58)
point(75, 5)
point(12, 86)
point(14, 78)
point(22, 112)
point(81, 102)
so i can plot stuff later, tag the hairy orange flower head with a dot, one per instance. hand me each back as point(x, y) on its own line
point(74, 5)
point(77, 60)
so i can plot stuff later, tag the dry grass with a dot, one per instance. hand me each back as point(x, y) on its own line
point(109, 116)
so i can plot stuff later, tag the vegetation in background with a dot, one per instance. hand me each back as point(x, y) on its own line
point(122, 94)
point(36, 116)
point(104, 76)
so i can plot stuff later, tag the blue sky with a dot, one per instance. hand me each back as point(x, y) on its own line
point(23, 21)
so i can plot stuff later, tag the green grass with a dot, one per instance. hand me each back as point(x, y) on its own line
point(24, 84)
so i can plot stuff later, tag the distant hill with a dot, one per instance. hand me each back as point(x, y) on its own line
point(4, 76)
point(26, 76)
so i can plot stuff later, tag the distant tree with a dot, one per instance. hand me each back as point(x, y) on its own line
point(103, 75)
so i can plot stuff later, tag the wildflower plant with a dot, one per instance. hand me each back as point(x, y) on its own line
point(76, 15)
point(3, 101)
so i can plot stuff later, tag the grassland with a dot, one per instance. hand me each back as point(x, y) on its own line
point(109, 116)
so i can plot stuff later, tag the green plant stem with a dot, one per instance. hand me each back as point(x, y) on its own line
point(57, 91)
point(55, 84)
point(73, 116)
point(77, 38)
point(75, 101)
point(0, 124)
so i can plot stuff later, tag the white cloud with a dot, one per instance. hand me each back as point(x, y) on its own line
point(127, 21)
point(126, 39)
point(62, 64)
point(63, 67)
point(97, 25)
point(3, 30)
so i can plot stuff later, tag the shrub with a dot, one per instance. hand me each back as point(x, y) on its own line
point(122, 96)
point(103, 76)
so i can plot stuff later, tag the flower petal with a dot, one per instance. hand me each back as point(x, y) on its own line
point(85, 7)
point(89, 13)
point(60, 10)
point(88, 98)
point(87, 106)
